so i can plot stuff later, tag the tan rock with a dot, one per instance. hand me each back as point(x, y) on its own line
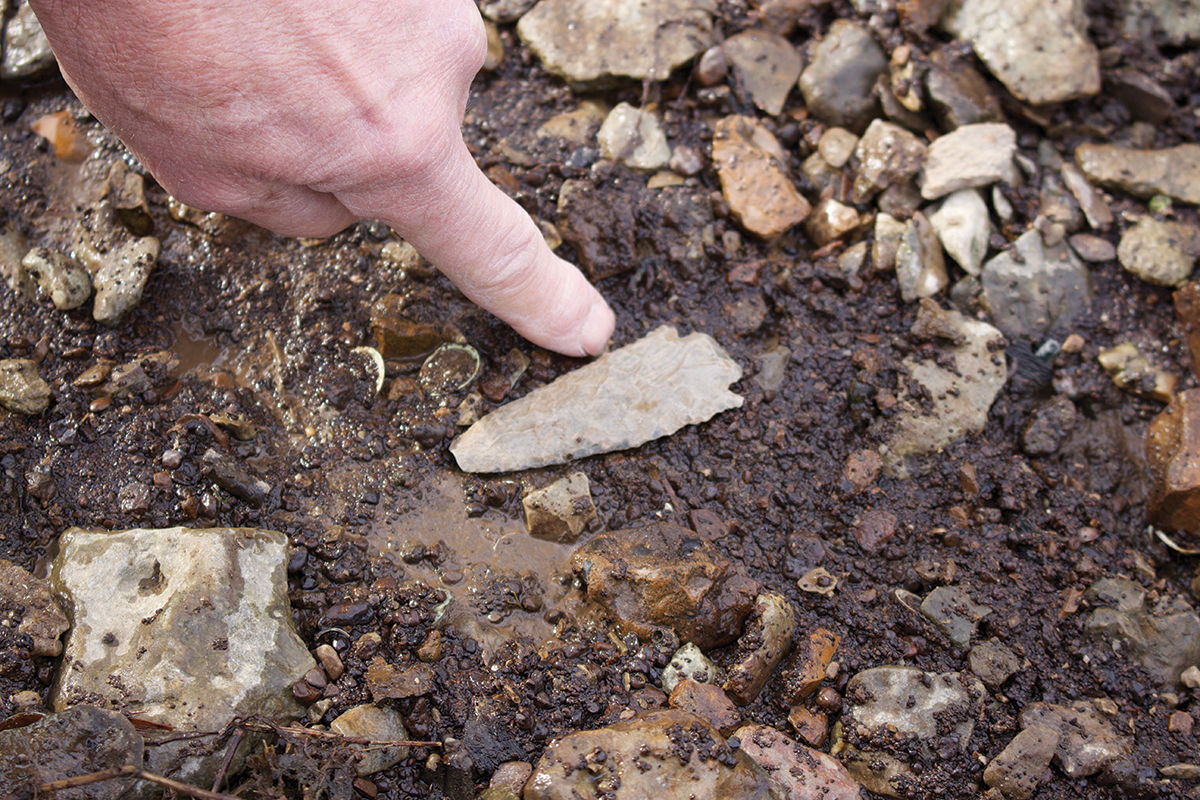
point(830, 221)
point(765, 642)
point(1173, 454)
point(811, 726)
point(708, 702)
point(1173, 171)
point(754, 178)
point(809, 664)
point(560, 511)
point(798, 770)
point(766, 65)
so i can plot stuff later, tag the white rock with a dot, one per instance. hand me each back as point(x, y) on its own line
point(963, 227)
point(634, 137)
point(973, 155)
point(920, 266)
point(689, 664)
point(627, 397)
point(67, 284)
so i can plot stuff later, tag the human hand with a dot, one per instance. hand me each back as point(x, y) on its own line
point(303, 116)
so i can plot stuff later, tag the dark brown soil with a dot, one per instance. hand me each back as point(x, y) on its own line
point(368, 492)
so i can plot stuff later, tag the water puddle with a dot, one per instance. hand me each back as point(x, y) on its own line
point(504, 583)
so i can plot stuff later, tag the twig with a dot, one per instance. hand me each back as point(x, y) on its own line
point(130, 771)
point(235, 741)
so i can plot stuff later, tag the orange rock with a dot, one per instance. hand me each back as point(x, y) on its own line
point(810, 661)
point(64, 135)
point(754, 178)
point(812, 727)
point(1173, 452)
point(708, 702)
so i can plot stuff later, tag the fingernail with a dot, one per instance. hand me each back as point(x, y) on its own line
point(597, 328)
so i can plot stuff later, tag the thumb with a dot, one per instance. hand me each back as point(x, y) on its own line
point(494, 252)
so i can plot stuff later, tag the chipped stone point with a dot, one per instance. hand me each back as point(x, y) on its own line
point(643, 391)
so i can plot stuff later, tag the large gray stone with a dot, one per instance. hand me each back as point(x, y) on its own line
point(1087, 742)
point(26, 49)
point(659, 754)
point(1033, 290)
point(591, 40)
point(1164, 639)
point(1039, 49)
point(838, 83)
point(1174, 171)
point(766, 65)
point(642, 391)
point(898, 714)
point(185, 627)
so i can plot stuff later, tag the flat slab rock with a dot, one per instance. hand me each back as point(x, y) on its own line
point(625, 398)
point(1174, 171)
point(181, 626)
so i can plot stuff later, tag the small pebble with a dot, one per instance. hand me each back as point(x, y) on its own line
point(330, 661)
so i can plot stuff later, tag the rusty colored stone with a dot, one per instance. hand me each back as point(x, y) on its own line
point(708, 702)
point(810, 661)
point(399, 337)
point(1173, 453)
point(754, 178)
point(811, 726)
point(1187, 310)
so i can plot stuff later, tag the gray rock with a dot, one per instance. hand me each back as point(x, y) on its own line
point(1019, 767)
point(824, 177)
point(659, 754)
point(1146, 98)
point(920, 266)
point(12, 271)
point(958, 94)
point(665, 576)
point(379, 725)
point(642, 391)
point(1087, 743)
point(1092, 248)
point(78, 741)
point(954, 613)
point(888, 233)
point(1179, 20)
point(993, 662)
point(1058, 205)
point(1048, 427)
point(885, 155)
point(766, 640)
point(120, 276)
point(973, 155)
point(586, 41)
point(21, 387)
point(772, 368)
point(689, 664)
point(766, 65)
point(185, 627)
point(838, 82)
point(1158, 252)
point(887, 701)
point(42, 620)
point(960, 386)
point(559, 512)
point(1093, 204)
point(505, 11)
point(1165, 639)
point(1174, 171)
point(964, 228)
point(800, 772)
point(712, 66)
point(1040, 51)
point(26, 49)
point(836, 145)
point(1036, 289)
point(634, 137)
point(66, 283)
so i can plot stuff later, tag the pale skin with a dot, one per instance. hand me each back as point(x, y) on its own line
point(303, 116)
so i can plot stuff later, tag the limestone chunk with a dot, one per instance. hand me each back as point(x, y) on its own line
point(635, 138)
point(973, 155)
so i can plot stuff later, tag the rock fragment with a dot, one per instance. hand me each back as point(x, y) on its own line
point(954, 613)
point(1091, 202)
point(659, 754)
point(894, 717)
point(885, 155)
point(799, 771)
point(970, 156)
point(1039, 51)
point(397, 336)
point(1173, 171)
point(765, 642)
point(642, 391)
point(993, 662)
point(1173, 454)
point(669, 577)
point(889, 232)
point(838, 83)
point(119, 277)
point(1158, 252)
point(707, 702)
point(830, 221)
point(964, 228)
point(186, 627)
point(634, 137)
point(1134, 372)
point(809, 665)
point(21, 387)
point(560, 511)
point(589, 41)
point(920, 266)
point(379, 725)
point(1034, 290)
point(836, 145)
point(1164, 639)
point(27, 51)
point(958, 94)
point(1048, 426)
point(41, 618)
point(766, 65)
point(1019, 767)
point(754, 177)
point(1087, 743)
point(67, 284)
point(689, 664)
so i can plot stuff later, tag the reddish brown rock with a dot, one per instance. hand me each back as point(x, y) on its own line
point(754, 177)
point(1187, 309)
point(666, 576)
point(1173, 453)
point(767, 639)
point(798, 770)
point(811, 726)
point(708, 702)
point(810, 662)
point(874, 529)
point(861, 469)
point(397, 336)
